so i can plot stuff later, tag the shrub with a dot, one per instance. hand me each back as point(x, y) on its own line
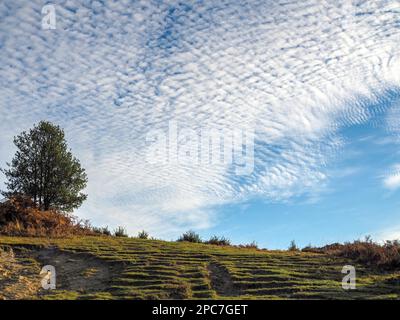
point(143, 235)
point(190, 236)
point(370, 253)
point(19, 216)
point(293, 246)
point(386, 256)
point(310, 248)
point(102, 230)
point(219, 241)
point(251, 245)
point(120, 232)
point(328, 248)
point(106, 231)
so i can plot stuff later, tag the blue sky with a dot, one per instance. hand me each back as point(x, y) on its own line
point(316, 84)
point(353, 203)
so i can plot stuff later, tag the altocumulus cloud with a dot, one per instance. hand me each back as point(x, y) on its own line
point(294, 72)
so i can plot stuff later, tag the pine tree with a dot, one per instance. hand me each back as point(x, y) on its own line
point(45, 170)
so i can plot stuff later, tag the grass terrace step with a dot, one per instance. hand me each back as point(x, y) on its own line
point(153, 269)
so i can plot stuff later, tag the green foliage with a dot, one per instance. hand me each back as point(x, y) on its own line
point(44, 169)
point(219, 241)
point(190, 236)
point(120, 232)
point(102, 230)
point(143, 235)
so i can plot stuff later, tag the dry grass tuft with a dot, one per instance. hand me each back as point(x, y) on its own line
point(20, 217)
point(367, 252)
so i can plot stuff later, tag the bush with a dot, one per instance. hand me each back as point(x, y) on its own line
point(370, 253)
point(190, 236)
point(251, 245)
point(143, 235)
point(386, 256)
point(293, 246)
point(102, 230)
point(219, 241)
point(106, 231)
point(120, 232)
point(309, 248)
point(19, 216)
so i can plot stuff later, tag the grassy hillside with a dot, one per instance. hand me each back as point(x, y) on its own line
point(125, 268)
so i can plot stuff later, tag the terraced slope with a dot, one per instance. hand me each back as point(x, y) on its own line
point(125, 268)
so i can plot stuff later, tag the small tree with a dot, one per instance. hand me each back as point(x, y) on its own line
point(293, 246)
point(44, 169)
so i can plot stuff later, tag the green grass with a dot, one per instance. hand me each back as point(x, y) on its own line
point(153, 269)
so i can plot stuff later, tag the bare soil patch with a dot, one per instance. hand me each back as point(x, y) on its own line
point(75, 271)
point(221, 280)
point(20, 268)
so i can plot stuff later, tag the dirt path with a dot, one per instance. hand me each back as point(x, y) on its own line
point(221, 280)
point(20, 268)
point(75, 271)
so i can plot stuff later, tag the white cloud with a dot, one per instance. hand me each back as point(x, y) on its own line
point(392, 233)
point(294, 72)
point(392, 180)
